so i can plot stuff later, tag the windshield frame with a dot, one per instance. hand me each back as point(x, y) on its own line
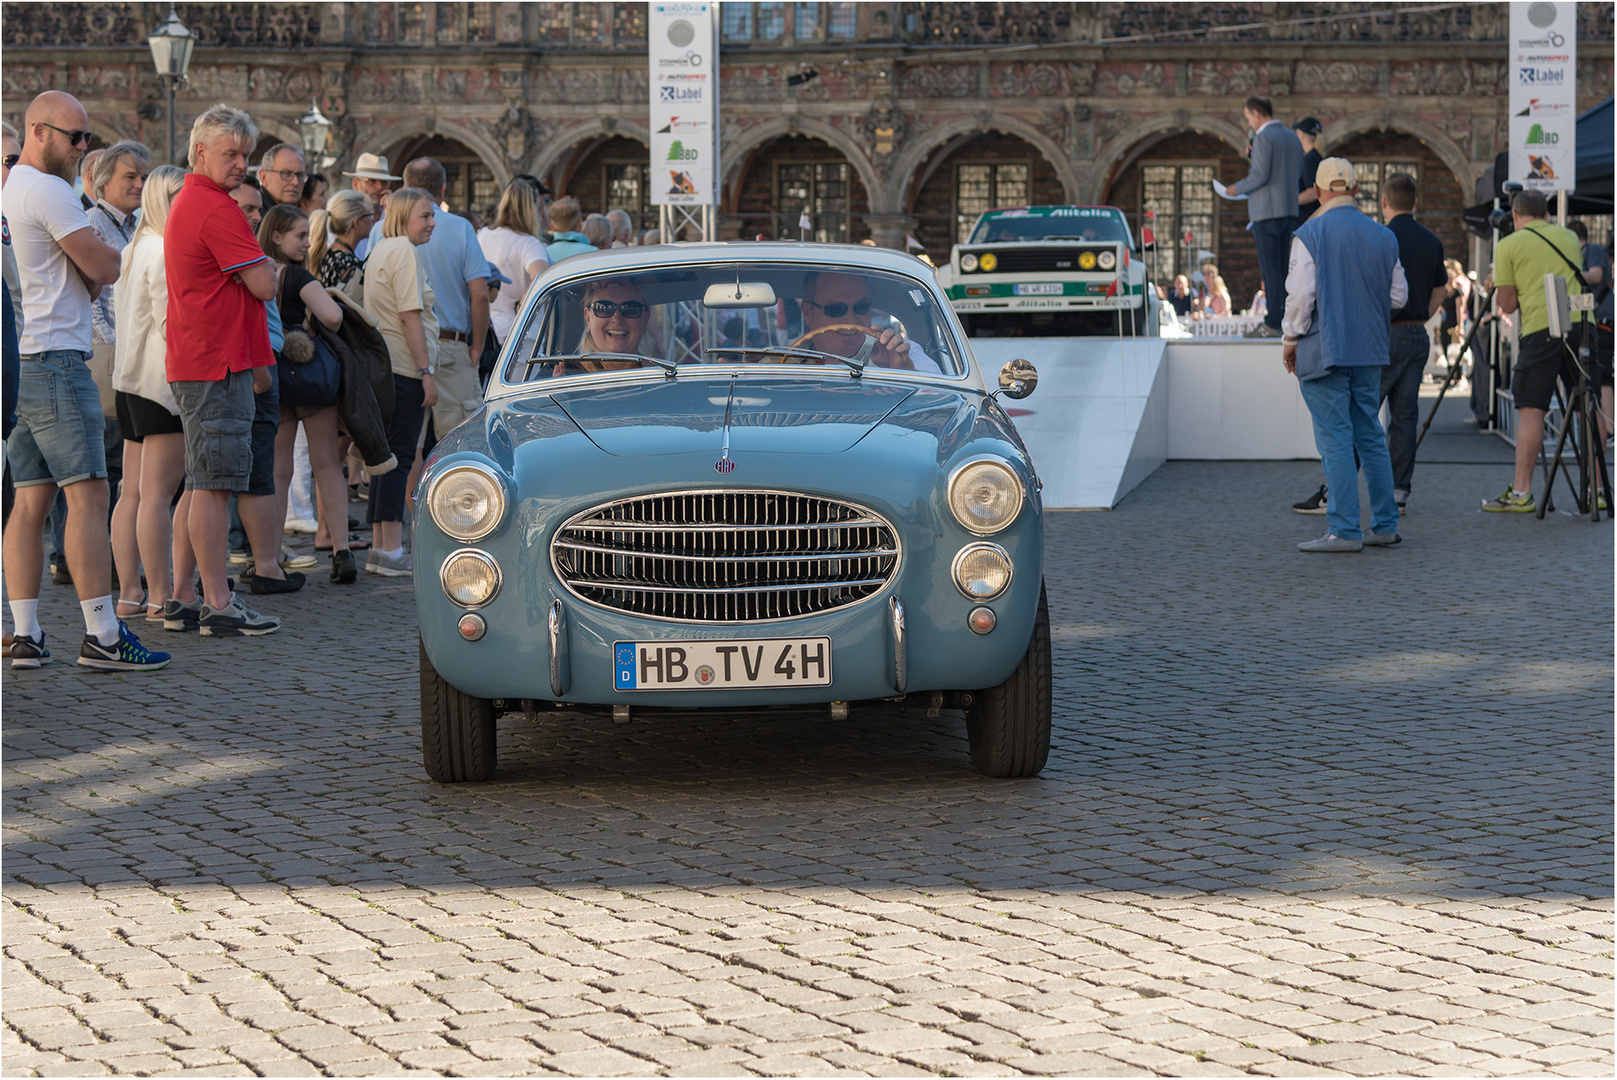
point(1008, 214)
point(508, 376)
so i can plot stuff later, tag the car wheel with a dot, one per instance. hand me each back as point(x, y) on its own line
point(1008, 726)
point(457, 730)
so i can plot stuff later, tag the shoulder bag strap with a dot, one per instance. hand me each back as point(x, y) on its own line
point(1577, 273)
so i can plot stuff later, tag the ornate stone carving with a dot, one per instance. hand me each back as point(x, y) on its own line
point(1026, 80)
point(633, 85)
point(1594, 78)
point(373, 86)
point(937, 81)
point(95, 81)
point(1224, 79)
point(514, 131)
point(508, 23)
point(883, 128)
point(568, 85)
point(1429, 78)
point(1341, 77)
point(754, 84)
point(1127, 80)
point(25, 81)
point(282, 84)
point(216, 82)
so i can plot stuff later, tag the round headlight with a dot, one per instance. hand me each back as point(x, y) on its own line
point(466, 502)
point(470, 578)
point(989, 260)
point(985, 496)
point(1086, 261)
point(1107, 260)
point(982, 571)
point(968, 262)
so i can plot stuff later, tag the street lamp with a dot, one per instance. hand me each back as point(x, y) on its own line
point(171, 45)
point(315, 131)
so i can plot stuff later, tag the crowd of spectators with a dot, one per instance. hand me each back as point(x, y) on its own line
point(183, 398)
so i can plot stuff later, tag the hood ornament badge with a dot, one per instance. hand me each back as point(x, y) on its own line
point(724, 466)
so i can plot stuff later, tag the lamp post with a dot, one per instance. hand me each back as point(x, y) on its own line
point(315, 132)
point(171, 45)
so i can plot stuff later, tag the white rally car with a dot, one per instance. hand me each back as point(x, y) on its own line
point(1036, 271)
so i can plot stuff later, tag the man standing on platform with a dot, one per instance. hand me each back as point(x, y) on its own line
point(1343, 284)
point(1271, 190)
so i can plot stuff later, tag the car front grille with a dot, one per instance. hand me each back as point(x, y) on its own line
point(1063, 260)
point(725, 556)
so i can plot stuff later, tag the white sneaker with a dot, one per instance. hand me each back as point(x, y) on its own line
point(381, 564)
point(290, 560)
point(301, 525)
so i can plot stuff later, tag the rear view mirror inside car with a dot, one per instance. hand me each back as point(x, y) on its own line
point(739, 294)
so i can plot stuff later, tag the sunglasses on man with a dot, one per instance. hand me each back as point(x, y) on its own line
point(605, 309)
point(838, 310)
point(11, 159)
point(74, 137)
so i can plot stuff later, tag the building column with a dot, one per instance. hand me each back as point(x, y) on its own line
point(888, 229)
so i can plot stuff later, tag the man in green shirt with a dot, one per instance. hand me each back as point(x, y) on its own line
point(1520, 262)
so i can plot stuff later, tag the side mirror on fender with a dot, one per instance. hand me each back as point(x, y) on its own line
point(1017, 379)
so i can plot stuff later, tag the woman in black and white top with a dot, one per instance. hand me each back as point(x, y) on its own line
point(334, 234)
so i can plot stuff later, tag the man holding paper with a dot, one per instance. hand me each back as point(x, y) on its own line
point(1270, 188)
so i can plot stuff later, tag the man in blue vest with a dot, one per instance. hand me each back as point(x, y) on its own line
point(1343, 284)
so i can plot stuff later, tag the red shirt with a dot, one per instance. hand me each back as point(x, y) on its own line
point(215, 324)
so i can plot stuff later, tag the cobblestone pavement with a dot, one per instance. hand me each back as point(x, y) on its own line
point(1305, 815)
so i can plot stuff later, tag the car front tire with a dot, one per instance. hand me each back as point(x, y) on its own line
point(1008, 726)
point(458, 743)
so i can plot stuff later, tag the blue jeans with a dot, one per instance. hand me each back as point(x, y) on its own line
point(1273, 239)
point(1344, 403)
point(1407, 350)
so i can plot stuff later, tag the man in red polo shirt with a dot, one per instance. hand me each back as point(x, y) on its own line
point(218, 349)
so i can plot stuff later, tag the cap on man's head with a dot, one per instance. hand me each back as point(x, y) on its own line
point(1335, 174)
point(1307, 125)
point(372, 167)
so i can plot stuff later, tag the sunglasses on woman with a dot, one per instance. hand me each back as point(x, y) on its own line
point(605, 309)
point(836, 311)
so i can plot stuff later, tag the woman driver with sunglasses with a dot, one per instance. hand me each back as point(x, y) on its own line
point(616, 320)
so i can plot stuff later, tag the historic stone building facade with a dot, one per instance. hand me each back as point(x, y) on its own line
point(919, 116)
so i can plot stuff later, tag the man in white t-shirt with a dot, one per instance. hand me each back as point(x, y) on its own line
point(63, 266)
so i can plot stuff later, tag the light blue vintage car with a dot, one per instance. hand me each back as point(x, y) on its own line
point(734, 476)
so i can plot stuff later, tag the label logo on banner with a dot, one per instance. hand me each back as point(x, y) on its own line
point(681, 47)
point(1543, 105)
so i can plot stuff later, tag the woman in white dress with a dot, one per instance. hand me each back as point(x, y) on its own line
point(512, 243)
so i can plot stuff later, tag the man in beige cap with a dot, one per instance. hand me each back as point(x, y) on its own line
point(1343, 284)
point(371, 178)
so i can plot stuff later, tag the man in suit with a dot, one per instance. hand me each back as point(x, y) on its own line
point(1271, 190)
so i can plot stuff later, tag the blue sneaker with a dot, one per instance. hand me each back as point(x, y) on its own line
point(127, 655)
point(29, 652)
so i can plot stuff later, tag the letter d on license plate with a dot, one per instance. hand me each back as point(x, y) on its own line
point(721, 665)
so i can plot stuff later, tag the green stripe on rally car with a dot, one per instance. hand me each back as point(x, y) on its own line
point(1069, 288)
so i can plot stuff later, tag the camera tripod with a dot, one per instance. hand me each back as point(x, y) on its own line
point(1580, 423)
point(1457, 368)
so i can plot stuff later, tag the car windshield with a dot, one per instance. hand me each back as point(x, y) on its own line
point(1099, 223)
point(730, 313)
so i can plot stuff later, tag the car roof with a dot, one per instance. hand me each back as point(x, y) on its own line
point(698, 253)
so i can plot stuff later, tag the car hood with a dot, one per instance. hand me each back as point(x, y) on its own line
point(768, 416)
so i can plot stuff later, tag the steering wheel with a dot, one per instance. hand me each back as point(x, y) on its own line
point(867, 331)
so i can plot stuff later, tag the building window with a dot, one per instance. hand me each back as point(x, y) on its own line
point(1370, 174)
point(627, 186)
point(1181, 199)
point(829, 21)
point(469, 186)
point(819, 188)
point(762, 22)
point(979, 188)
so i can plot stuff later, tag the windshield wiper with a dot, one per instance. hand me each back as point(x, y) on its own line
point(667, 365)
point(782, 350)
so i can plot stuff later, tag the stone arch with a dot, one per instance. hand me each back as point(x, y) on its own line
point(914, 155)
point(386, 136)
point(1447, 150)
point(1123, 148)
point(737, 152)
point(564, 143)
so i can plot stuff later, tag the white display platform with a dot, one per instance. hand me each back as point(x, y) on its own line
point(1108, 411)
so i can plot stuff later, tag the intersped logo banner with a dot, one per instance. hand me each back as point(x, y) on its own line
point(684, 103)
point(1543, 94)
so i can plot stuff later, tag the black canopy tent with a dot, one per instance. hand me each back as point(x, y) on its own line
point(1591, 191)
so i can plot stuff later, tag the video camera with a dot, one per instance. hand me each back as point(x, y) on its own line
point(1500, 220)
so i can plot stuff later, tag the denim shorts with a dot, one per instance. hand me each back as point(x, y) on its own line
point(218, 419)
point(60, 427)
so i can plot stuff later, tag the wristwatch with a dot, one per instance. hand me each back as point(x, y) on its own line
point(423, 372)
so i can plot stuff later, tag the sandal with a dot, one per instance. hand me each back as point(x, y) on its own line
point(139, 607)
point(355, 543)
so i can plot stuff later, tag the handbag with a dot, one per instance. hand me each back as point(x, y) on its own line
point(311, 375)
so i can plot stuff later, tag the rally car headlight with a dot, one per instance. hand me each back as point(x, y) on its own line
point(1107, 260)
point(985, 496)
point(466, 501)
point(968, 262)
point(982, 571)
point(1086, 261)
point(470, 578)
point(988, 261)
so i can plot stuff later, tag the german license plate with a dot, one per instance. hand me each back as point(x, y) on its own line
point(1040, 288)
point(721, 665)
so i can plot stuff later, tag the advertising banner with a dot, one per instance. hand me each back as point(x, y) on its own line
point(1543, 94)
point(684, 103)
